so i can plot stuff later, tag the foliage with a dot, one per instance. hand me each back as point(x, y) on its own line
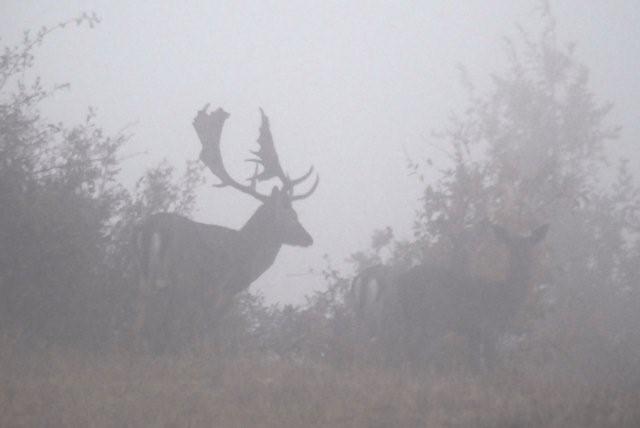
point(530, 150)
point(65, 220)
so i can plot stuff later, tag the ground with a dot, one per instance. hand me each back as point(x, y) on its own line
point(62, 387)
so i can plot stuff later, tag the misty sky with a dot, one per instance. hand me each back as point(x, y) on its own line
point(349, 87)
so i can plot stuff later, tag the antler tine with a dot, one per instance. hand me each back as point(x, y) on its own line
point(308, 192)
point(268, 158)
point(291, 183)
point(302, 178)
point(253, 179)
point(208, 126)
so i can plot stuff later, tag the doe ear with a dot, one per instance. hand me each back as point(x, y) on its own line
point(539, 234)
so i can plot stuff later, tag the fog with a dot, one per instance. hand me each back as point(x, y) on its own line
point(463, 248)
point(350, 88)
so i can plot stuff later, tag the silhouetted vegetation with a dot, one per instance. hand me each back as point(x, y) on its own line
point(65, 220)
point(531, 150)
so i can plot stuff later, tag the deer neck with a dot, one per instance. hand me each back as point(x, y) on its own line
point(262, 243)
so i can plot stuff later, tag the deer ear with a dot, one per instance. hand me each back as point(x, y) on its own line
point(539, 234)
point(275, 192)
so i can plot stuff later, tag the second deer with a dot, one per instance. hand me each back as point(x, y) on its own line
point(417, 310)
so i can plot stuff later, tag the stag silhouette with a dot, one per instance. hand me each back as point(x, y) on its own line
point(190, 272)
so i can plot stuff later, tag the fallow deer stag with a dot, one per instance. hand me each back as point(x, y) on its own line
point(416, 310)
point(190, 270)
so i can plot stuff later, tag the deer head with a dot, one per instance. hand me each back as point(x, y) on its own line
point(276, 210)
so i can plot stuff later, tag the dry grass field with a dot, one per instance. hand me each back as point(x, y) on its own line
point(66, 388)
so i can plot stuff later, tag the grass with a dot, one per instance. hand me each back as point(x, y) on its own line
point(61, 387)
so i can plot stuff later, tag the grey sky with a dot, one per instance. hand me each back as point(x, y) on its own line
point(348, 87)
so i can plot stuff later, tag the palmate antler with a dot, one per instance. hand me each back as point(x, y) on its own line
point(209, 129)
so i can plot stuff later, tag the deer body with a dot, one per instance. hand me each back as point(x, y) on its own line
point(432, 303)
point(189, 271)
point(229, 259)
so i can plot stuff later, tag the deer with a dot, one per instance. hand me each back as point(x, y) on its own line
point(189, 270)
point(418, 309)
